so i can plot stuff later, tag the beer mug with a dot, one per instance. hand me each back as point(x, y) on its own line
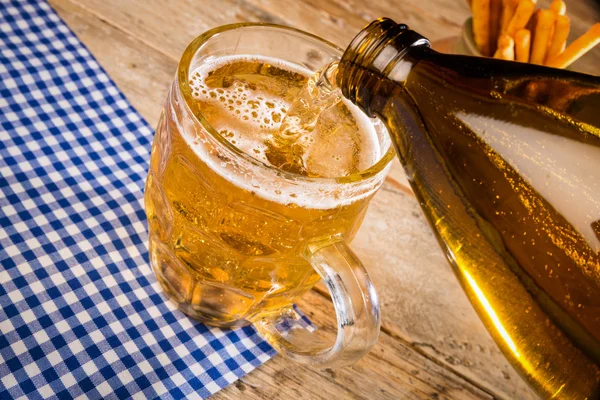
point(233, 240)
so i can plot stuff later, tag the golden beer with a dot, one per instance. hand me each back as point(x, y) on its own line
point(228, 231)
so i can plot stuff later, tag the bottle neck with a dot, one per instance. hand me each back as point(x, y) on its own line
point(381, 51)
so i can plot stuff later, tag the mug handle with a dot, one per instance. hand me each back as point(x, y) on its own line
point(356, 306)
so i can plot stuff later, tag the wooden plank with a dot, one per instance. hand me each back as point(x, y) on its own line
point(435, 19)
point(142, 74)
point(392, 370)
point(169, 26)
point(352, 15)
point(441, 19)
point(415, 283)
point(336, 20)
point(421, 301)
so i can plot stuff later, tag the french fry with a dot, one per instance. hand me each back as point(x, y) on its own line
point(559, 39)
point(559, 7)
point(541, 36)
point(533, 21)
point(576, 49)
point(521, 17)
point(481, 25)
point(522, 45)
point(508, 11)
point(495, 12)
point(506, 48)
point(550, 37)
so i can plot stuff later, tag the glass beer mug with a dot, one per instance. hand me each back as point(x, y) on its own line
point(233, 240)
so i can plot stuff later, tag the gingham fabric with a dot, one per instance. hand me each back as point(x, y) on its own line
point(81, 313)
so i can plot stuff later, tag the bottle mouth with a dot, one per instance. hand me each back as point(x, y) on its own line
point(375, 50)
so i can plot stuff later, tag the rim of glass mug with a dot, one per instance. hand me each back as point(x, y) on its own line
point(183, 71)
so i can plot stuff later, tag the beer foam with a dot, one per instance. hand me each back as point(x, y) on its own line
point(258, 112)
point(257, 115)
point(250, 117)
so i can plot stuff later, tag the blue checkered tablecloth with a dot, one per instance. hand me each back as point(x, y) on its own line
point(81, 313)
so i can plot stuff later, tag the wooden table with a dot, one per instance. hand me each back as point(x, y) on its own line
point(432, 344)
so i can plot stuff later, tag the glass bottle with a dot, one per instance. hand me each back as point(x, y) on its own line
point(504, 159)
